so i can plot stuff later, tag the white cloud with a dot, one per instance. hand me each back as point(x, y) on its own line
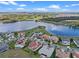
point(12, 2)
point(67, 6)
point(21, 9)
point(71, 5)
point(69, 10)
point(54, 6)
point(22, 5)
point(8, 2)
point(40, 9)
point(74, 4)
point(4, 2)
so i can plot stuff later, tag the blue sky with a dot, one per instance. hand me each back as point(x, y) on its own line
point(39, 6)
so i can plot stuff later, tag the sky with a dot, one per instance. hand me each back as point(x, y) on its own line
point(39, 6)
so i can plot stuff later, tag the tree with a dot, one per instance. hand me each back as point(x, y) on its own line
point(60, 39)
point(71, 56)
point(71, 40)
point(12, 44)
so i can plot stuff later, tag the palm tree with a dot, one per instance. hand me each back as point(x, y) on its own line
point(60, 39)
point(71, 56)
point(71, 40)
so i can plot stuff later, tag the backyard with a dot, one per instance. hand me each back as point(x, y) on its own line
point(17, 53)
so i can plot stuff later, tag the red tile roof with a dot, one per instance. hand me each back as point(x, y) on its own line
point(45, 36)
point(76, 54)
point(33, 45)
point(20, 41)
point(21, 33)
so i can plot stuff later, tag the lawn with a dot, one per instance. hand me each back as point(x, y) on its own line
point(31, 53)
point(17, 53)
point(38, 29)
point(12, 44)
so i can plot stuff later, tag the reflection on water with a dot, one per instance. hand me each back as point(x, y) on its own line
point(64, 31)
point(51, 28)
point(18, 26)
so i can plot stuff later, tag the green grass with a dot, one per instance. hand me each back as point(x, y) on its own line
point(60, 44)
point(38, 29)
point(73, 45)
point(31, 53)
point(18, 53)
point(12, 44)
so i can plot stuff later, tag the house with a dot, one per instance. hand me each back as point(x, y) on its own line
point(20, 43)
point(34, 45)
point(46, 51)
point(21, 34)
point(65, 41)
point(40, 36)
point(1, 39)
point(63, 52)
point(44, 36)
point(10, 36)
point(76, 42)
point(54, 39)
point(36, 35)
point(66, 15)
point(75, 52)
point(3, 47)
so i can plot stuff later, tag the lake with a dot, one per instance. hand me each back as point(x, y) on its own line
point(17, 26)
point(51, 28)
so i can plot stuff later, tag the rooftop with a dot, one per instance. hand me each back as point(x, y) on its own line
point(46, 50)
point(34, 45)
point(62, 52)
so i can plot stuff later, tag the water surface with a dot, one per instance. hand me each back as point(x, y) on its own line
point(51, 28)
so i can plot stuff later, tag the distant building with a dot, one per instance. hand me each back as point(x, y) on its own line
point(66, 15)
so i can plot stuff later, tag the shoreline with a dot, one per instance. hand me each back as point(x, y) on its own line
point(23, 26)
